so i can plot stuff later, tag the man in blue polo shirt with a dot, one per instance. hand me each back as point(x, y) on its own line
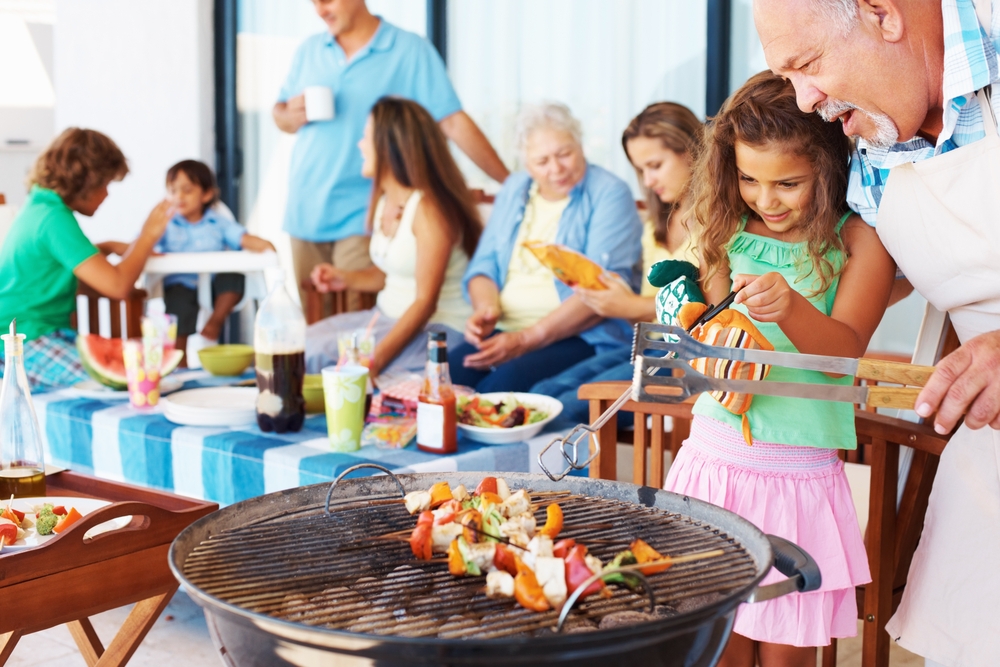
point(361, 58)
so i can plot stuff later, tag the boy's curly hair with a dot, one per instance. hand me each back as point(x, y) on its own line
point(77, 162)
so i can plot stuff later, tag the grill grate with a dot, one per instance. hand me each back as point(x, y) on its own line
point(331, 571)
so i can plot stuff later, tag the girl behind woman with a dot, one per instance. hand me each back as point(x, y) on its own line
point(662, 143)
point(769, 192)
point(45, 253)
point(424, 229)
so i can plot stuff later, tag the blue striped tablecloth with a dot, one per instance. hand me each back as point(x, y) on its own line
point(110, 439)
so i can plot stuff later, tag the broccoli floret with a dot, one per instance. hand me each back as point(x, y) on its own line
point(45, 522)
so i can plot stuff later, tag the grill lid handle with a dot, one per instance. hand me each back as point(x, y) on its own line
point(800, 568)
point(329, 494)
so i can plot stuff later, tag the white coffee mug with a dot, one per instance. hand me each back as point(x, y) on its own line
point(319, 103)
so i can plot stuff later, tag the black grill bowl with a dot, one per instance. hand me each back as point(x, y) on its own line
point(693, 636)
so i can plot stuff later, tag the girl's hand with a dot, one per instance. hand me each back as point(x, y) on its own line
point(328, 278)
point(768, 298)
point(610, 302)
point(496, 350)
point(481, 324)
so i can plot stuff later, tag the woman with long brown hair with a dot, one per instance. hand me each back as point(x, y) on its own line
point(662, 143)
point(424, 228)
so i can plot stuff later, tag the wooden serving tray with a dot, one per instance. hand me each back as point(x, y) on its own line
point(69, 578)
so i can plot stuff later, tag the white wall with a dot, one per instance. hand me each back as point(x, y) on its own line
point(142, 73)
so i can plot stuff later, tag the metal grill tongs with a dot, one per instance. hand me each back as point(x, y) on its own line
point(672, 347)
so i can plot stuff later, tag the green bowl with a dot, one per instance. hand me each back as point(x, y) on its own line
point(226, 359)
point(312, 391)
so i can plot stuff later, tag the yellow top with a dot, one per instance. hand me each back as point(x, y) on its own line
point(653, 252)
point(530, 291)
point(396, 256)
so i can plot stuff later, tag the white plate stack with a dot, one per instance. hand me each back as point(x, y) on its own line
point(212, 406)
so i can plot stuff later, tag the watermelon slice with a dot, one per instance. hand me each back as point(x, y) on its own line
point(103, 360)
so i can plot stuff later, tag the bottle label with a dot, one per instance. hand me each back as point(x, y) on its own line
point(430, 425)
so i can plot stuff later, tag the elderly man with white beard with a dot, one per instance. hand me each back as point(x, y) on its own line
point(912, 79)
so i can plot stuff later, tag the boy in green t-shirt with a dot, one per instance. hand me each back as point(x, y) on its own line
point(45, 253)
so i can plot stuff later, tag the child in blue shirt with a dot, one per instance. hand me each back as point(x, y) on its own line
point(199, 227)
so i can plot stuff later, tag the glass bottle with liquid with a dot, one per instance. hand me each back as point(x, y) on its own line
point(437, 424)
point(22, 461)
point(280, 345)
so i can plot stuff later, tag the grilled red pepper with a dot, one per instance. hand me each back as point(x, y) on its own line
point(563, 547)
point(472, 526)
point(504, 560)
point(527, 591)
point(488, 485)
point(646, 554)
point(553, 521)
point(577, 572)
point(420, 539)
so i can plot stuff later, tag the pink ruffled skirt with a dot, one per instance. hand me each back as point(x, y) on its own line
point(798, 493)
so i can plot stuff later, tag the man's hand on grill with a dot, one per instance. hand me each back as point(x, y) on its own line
point(967, 382)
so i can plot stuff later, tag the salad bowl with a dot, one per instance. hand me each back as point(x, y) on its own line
point(499, 435)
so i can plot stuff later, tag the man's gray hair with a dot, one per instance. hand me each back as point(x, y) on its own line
point(842, 13)
point(548, 115)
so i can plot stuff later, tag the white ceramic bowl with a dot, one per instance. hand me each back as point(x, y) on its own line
point(506, 436)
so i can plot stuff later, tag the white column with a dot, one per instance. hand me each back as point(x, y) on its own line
point(142, 73)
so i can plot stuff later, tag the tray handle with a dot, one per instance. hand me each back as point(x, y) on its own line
point(792, 561)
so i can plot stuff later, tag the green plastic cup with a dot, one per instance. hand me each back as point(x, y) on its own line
point(345, 391)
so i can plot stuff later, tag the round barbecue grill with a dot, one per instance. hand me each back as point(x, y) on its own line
point(283, 582)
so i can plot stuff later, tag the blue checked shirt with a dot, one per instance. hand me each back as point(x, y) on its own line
point(970, 63)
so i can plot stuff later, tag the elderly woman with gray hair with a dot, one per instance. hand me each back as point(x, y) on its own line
point(526, 325)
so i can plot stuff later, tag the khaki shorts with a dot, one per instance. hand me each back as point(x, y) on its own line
point(350, 254)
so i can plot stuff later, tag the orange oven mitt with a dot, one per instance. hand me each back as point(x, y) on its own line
point(569, 266)
point(730, 328)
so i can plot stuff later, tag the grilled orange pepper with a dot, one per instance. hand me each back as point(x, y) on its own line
point(12, 515)
point(646, 554)
point(420, 539)
point(456, 564)
point(472, 526)
point(553, 521)
point(440, 494)
point(527, 591)
point(71, 517)
point(489, 498)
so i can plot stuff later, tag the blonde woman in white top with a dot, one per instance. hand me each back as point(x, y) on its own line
point(424, 229)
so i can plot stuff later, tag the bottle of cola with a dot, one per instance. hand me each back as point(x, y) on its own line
point(280, 346)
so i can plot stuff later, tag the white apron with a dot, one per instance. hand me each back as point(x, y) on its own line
point(940, 220)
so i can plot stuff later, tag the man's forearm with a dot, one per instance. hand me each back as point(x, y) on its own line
point(483, 292)
point(470, 139)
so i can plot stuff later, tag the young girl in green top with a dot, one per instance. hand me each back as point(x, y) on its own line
point(769, 193)
point(45, 253)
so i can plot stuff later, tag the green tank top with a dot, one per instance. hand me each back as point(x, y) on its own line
point(788, 421)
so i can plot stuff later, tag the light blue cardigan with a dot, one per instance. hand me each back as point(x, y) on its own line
point(600, 221)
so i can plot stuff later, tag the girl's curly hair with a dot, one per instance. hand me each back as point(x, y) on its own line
point(762, 112)
point(77, 162)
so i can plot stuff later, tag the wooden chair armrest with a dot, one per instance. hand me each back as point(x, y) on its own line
point(922, 437)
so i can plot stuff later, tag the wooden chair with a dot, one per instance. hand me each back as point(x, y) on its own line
point(124, 316)
point(892, 534)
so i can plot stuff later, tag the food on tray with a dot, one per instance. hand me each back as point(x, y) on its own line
point(493, 532)
point(571, 267)
point(508, 413)
point(104, 360)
